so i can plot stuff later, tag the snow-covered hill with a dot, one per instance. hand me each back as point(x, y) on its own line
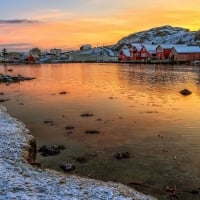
point(162, 35)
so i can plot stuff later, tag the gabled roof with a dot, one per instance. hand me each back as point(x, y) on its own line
point(170, 46)
point(138, 46)
point(126, 52)
point(150, 48)
point(187, 49)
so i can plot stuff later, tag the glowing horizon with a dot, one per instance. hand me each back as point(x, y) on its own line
point(66, 24)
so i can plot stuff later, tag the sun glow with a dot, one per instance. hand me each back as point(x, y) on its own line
point(60, 28)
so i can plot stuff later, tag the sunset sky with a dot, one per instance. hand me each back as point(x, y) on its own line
point(71, 23)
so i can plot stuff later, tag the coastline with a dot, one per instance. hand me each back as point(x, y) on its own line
point(20, 180)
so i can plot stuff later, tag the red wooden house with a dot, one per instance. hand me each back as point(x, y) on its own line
point(124, 55)
point(148, 52)
point(135, 49)
point(30, 59)
point(163, 51)
point(185, 53)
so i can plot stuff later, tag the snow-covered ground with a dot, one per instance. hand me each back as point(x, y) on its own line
point(162, 35)
point(19, 180)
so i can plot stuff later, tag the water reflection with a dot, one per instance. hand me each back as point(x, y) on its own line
point(137, 109)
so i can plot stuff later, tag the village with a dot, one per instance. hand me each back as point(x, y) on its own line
point(128, 53)
point(86, 53)
point(136, 52)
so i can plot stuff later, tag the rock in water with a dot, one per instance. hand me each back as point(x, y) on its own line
point(121, 155)
point(63, 92)
point(86, 115)
point(69, 127)
point(50, 150)
point(67, 167)
point(185, 92)
point(92, 132)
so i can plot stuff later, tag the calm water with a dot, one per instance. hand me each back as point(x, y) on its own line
point(137, 108)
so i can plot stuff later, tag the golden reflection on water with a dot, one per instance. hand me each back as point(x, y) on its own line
point(137, 108)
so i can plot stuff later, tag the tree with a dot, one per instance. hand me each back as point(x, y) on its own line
point(4, 52)
point(35, 52)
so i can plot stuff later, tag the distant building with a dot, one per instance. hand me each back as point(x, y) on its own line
point(86, 47)
point(185, 53)
point(30, 59)
point(55, 51)
point(13, 56)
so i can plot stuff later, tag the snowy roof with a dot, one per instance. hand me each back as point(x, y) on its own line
point(126, 52)
point(150, 48)
point(138, 46)
point(187, 49)
point(170, 46)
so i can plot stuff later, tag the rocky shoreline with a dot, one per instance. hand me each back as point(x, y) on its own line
point(20, 180)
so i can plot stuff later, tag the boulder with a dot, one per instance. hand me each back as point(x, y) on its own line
point(92, 132)
point(67, 167)
point(121, 155)
point(50, 150)
point(185, 92)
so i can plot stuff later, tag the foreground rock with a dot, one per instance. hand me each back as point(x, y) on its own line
point(92, 132)
point(13, 79)
point(185, 92)
point(121, 155)
point(20, 180)
point(51, 150)
point(67, 167)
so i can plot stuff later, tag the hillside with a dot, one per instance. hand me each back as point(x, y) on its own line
point(162, 35)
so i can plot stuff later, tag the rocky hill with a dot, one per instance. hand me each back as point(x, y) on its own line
point(162, 35)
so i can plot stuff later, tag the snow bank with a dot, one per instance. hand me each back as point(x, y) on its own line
point(19, 180)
